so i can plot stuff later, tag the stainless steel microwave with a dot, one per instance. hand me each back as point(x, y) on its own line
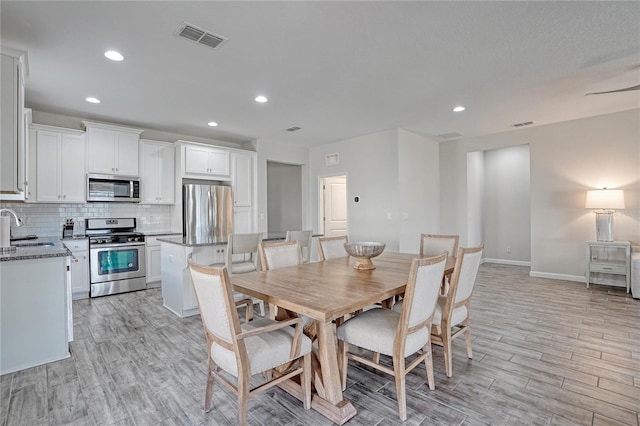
point(110, 188)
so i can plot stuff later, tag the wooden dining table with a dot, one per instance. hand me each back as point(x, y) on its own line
point(327, 291)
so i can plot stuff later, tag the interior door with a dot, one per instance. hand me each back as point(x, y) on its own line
point(335, 206)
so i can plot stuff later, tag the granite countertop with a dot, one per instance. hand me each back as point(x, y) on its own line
point(55, 249)
point(156, 233)
point(187, 242)
point(183, 241)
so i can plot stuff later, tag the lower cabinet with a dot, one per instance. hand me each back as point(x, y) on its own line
point(153, 257)
point(177, 290)
point(79, 267)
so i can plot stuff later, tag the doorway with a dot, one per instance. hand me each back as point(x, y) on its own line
point(333, 206)
point(284, 196)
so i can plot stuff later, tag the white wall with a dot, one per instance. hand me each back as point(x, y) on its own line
point(392, 172)
point(475, 198)
point(418, 189)
point(507, 206)
point(566, 160)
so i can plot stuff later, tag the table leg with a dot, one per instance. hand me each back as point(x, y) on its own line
point(329, 400)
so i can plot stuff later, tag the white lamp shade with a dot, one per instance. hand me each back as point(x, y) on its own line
point(607, 199)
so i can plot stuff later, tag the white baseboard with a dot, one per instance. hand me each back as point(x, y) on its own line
point(506, 262)
point(576, 278)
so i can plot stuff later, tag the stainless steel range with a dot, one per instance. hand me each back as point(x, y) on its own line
point(116, 256)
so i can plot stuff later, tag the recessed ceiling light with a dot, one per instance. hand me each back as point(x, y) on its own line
point(113, 55)
point(261, 99)
point(459, 109)
point(92, 100)
point(212, 124)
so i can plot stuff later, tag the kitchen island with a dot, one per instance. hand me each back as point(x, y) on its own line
point(177, 290)
point(175, 252)
point(36, 322)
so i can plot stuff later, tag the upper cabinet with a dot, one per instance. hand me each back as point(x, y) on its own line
point(13, 155)
point(157, 172)
point(206, 162)
point(60, 175)
point(242, 179)
point(112, 149)
point(243, 164)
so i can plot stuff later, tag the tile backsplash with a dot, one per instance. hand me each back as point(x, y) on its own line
point(45, 220)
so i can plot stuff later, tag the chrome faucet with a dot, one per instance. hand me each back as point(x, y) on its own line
point(5, 227)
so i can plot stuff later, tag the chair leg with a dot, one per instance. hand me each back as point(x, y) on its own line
point(306, 381)
point(399, 372)
point(428, 364)
point(209, 389)
point(261, 305)
point(446, 346)
point(467, 337)
point(376, 357)
point(243, 397)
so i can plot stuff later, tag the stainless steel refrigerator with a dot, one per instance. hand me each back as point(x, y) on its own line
point(207, 213)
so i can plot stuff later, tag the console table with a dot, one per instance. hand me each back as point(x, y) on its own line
point(609, 263)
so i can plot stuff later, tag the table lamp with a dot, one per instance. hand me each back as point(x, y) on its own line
point(605, 201)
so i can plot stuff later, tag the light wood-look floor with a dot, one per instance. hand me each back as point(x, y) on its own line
point(545, 352)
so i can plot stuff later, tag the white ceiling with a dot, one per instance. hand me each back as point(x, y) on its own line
point(336, 69)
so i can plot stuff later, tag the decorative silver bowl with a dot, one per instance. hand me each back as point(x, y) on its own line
point(363, 252)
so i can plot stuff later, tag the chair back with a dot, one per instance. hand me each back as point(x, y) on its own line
point(279, 254)
point(215, 300)
point(332, 247)
point(421, 294)
point(304, 237)
point(465, 272)
point(242, 244)
point(431, 244)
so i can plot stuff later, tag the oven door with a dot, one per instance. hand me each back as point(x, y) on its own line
point(111, 262)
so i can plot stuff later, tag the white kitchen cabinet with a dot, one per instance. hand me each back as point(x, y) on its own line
point(157, 172)
point(202, 160)
point(13, 155)
point(112, 149)
point(242, 179)
point(60, 172)
point(154, 260)
point(242, 220)
point(79, 267)
point(177, 289)
point(243, 164)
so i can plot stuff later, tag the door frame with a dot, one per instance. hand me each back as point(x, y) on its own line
point(321, 179)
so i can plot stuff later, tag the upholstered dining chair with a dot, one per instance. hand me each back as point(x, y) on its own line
point(280, 254)
point(332, 247)
point(451, 318)
point(243, 351)
point(242, 257)
point(431, 244)
point(398, 334)
point(304, 237)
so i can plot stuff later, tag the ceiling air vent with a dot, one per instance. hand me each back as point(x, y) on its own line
point(524, 123)
point(193, 33)
point(293, 129)
point(448, 136)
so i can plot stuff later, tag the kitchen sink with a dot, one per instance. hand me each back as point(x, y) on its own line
point(34, 244)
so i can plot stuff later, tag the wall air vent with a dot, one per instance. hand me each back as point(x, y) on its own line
point(293, 129)
point(332, 159)
point(524, 123)
point(204, 37)
point(448, 136)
